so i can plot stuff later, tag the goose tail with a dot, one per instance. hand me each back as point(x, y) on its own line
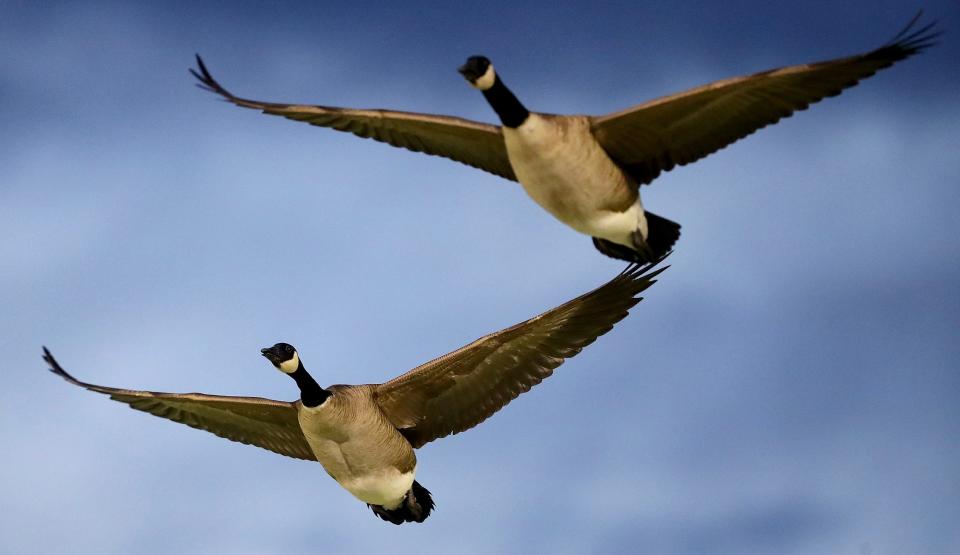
point(415, 507)
point(661, 236)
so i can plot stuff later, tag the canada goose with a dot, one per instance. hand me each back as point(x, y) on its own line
point(364, 435)
point(586, 170)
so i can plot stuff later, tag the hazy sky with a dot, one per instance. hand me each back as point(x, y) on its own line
point(791, 385)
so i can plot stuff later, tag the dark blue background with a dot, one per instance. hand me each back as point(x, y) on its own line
point(790, 386)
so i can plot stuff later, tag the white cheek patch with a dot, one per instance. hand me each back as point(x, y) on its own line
point(290, 366)
point(486, 80)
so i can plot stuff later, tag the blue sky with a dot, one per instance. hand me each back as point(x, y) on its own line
point(790, 385)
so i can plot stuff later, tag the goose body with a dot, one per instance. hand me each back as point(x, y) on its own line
point(566, 171)
point(586, 170)
point(358, 446)
point(364, 436)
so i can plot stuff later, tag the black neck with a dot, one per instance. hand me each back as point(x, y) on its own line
point(311, 394)
point(505, 104)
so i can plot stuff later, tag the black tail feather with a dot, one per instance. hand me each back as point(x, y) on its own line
point(618, 251)
point(661, 236)
point(416, 507)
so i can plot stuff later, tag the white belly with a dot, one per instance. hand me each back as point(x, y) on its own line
point(567, 173)
point(387, 488)
point(379, 486)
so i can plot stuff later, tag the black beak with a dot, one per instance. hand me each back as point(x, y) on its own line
point(474, 69)
point(268, 353)
point(469, 72)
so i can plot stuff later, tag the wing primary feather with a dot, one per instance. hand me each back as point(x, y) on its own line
point(208, 83)
point(55, 367)
point(918, 39)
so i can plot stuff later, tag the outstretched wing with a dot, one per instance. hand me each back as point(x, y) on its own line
point(472, 143)
point(676, 130)
point(459, 390)
point(265, 423)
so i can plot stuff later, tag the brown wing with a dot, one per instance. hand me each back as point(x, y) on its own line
point(472, 143)
point(269, 424)
point(459, 390)
point(679, 129)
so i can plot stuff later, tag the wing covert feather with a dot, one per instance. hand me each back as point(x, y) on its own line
point(463, 388)
point(475, 144)
point(656, 136)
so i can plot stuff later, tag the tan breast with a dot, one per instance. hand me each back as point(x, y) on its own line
point(565, 170)
point(352, 438)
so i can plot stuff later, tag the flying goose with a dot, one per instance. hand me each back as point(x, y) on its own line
point(586, 170)
point(365, 435)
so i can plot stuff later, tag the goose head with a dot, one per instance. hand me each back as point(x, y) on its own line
point(283, 356)
point(479, 72)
